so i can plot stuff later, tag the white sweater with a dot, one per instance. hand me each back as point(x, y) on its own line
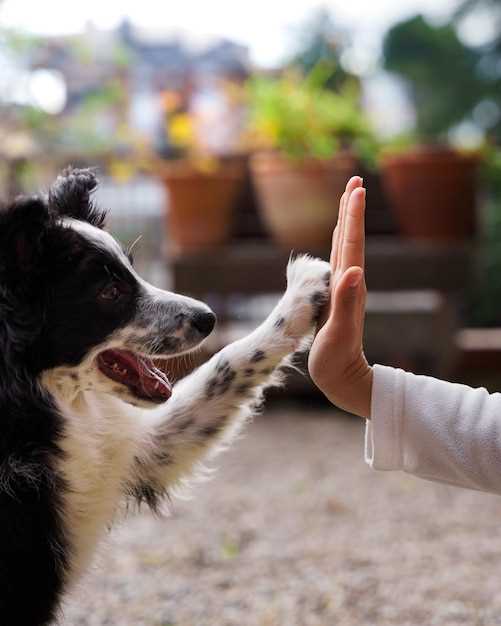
point(434, 429)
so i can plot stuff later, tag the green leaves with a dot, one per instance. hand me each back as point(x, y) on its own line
point(299, 116)
point(441, 72)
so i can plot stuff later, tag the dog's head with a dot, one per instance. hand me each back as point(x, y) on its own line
point(71, 301)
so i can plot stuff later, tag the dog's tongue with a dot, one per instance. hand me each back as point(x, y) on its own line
point(153, 382)
point(138, 373)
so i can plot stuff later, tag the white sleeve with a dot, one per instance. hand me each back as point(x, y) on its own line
point(436, 430)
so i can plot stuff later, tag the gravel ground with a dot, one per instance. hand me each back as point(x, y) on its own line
point(295, 530)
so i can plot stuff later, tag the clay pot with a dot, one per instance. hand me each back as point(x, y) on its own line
point(432, 193)
point(200, 207)
point(247, 224)
point(299, 201)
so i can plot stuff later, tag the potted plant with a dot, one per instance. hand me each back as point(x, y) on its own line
point(202, 186)
point(432, 191)
point(201, 197)
point(306, 133)
point(431, 186)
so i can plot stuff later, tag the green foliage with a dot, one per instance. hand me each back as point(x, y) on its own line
point(18, 42)
point(301, 117)
point(401, 143)
point(489, 53)
point(441, 72)
point(491, 169)
point(485, 298)
point(484, 307)
point(81, 51)
point(122, 56)
point(318, 41)
point(448, 82)
point(107, 95)
point(35, 119)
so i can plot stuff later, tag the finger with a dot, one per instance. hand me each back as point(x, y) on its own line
point(362, 305)
point(336, 235)
point(334, 247)
point(352, 250)
point(344, 319)
point(353, 183)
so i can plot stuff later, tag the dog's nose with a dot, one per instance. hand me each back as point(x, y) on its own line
point(203, 321)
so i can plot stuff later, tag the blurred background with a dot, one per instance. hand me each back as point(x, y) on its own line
point(224, 134)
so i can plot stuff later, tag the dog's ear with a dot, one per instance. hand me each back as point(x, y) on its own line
point(23, 230)
point(70, 196)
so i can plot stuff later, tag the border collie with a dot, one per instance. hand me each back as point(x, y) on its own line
point(87, 420)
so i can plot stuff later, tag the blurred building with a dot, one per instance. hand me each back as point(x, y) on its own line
point(141, 65)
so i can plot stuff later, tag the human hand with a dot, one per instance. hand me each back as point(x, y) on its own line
point(337, 363)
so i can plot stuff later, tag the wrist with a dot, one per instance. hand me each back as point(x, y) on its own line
point(353, 393)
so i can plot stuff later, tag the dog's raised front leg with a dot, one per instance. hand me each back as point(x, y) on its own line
point(208, 407)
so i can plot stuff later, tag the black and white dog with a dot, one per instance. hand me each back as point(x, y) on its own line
point(87, 420)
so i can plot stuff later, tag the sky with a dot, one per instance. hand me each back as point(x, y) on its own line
point(265, 26)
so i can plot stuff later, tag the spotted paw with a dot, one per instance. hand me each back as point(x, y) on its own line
point(307, 291)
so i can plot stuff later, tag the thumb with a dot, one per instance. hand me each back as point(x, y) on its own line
point(345, 305)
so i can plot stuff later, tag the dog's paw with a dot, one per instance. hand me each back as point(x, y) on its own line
point(307, 291)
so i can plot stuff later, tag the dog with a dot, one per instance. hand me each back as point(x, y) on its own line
point(88, 422)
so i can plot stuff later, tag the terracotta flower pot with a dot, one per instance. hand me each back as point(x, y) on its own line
point(299, 201)
point(200, 207)
point(432, 193)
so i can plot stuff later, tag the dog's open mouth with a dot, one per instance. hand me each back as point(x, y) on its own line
point(137, 373)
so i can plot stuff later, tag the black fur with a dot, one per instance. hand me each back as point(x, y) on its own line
point(33, 542)
point(65, 291)
point(47, 318)
point(221, 382)
point(258, 355)
point(70, 195)
point(150, 493)
point(279, 322)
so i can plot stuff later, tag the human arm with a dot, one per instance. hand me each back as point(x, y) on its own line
point(427, 427)
point(435, 429)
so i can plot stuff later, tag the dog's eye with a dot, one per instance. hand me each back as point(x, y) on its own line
point(110, 292)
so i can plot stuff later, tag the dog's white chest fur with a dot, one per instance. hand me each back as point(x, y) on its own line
point(102, 437)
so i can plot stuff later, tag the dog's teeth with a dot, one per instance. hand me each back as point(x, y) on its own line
point(157, 386)
point(115, 367)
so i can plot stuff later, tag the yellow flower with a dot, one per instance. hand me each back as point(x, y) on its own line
point(269, 130)
point(181, 131)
